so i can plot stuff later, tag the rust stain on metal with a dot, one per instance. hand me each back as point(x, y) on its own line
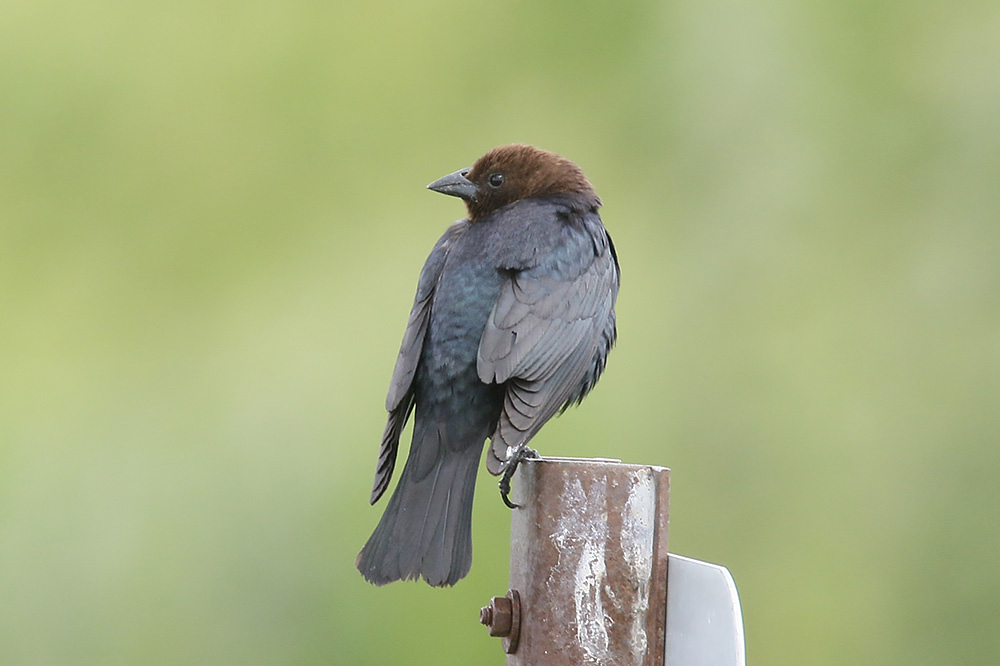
point(580, 540)
point(637, 543)
point(588, 555)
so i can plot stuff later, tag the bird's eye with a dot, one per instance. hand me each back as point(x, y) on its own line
point(495, 180)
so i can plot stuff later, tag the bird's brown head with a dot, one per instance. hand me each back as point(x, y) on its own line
point(511, 173)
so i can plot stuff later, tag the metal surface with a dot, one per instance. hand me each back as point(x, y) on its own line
point(704, 620)
point(589, 558)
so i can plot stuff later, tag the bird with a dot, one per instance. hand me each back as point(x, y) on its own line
point(512, 323)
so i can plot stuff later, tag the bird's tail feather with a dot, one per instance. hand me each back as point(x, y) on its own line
point(426, 530)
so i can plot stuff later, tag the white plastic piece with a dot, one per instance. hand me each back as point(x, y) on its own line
point(704, 620)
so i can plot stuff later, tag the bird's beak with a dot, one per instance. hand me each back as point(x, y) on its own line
point(456, 185)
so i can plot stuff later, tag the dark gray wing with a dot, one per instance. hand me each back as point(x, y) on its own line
point(399, 401)
point(547, 338)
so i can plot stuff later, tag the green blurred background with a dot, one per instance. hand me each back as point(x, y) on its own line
point(212, 217)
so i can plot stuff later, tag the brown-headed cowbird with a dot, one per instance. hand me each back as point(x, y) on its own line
point(512, 323)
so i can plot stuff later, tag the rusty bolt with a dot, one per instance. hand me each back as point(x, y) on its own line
point(503, 618)
point(497, 616)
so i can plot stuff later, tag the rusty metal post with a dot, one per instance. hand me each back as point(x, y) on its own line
point(588, 563)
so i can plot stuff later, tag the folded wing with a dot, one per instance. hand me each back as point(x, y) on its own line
point(546, 339)
point(399, 401)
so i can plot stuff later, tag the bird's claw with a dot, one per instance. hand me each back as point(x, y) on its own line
point(522, 453)
point(505, 491)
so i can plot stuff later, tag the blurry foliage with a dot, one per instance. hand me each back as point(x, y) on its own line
point(211, 221)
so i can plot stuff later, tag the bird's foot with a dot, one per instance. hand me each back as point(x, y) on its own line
point(522, 453)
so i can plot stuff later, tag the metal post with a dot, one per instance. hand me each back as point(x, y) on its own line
point(588, 564)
